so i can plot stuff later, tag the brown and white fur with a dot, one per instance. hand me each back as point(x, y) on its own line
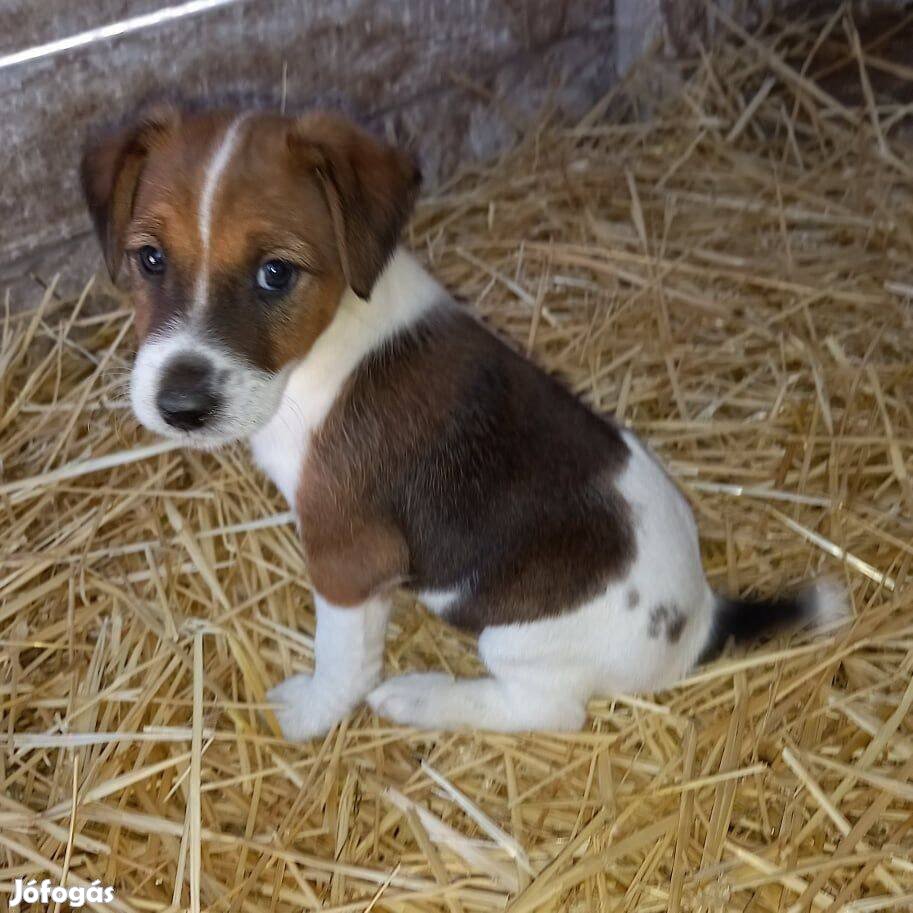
point(416, 448)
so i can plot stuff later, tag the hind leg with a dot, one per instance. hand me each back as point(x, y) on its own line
point(532, 685)
point(434, 700)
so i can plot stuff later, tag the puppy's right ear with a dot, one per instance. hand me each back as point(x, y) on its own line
point(110, 170)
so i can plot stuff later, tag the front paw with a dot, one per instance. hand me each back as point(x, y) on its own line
point(415, 700)
point(304, 709)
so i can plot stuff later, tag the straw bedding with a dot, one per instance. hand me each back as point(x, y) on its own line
point(729, 274)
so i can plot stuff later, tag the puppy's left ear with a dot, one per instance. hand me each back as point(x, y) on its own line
point(370, 189)
point(110, 171)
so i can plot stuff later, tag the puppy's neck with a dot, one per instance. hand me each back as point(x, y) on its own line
point(404, 294)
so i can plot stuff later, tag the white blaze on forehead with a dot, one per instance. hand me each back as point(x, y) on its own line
point(214, 171)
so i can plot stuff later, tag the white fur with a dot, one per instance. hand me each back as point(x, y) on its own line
point(249, 396)
point(349, 657)
point(828, 606)
point(438, 601)
point(216, 168)
point(403, 294)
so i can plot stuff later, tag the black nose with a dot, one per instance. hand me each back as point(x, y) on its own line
point(186, 398)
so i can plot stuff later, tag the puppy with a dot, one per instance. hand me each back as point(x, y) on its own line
point(273, 303)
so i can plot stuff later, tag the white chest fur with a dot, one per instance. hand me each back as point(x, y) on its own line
point(402, 295)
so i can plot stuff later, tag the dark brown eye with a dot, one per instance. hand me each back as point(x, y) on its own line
point(276, 276)
point(151, 259)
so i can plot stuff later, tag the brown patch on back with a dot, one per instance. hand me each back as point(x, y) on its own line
point(633, 599)
point(490, 474)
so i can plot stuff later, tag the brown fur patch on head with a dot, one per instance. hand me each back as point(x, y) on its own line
point(370, 191)
point(315, 192)
point(110, 171)
point(269, 208)
point(164, 213)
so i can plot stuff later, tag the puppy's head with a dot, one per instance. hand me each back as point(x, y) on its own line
point(236, 237)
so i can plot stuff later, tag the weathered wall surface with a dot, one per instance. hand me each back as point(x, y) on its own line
point(423, 71)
